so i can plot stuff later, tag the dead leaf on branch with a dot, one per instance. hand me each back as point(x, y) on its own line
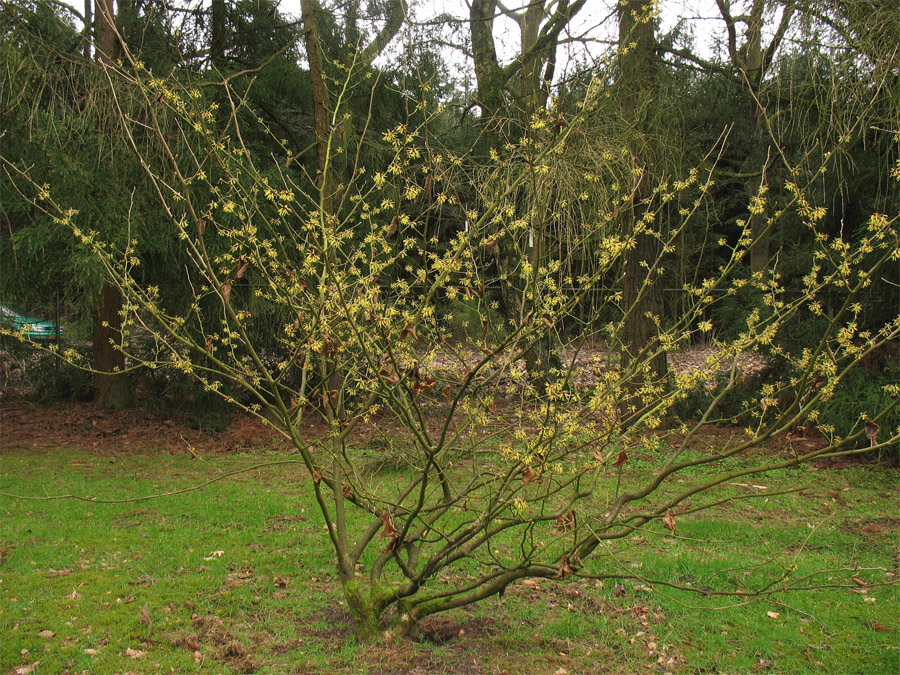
point(621, 459)
point(528, 475)
point(317, 477)
point(346, 491)
point(330, 397)
point(242, 269)
point(566, 523)
point(669, 521)
point(872, 430)
point(388, 530)
point(409, 329)
point(565, 570)
point(392, 228)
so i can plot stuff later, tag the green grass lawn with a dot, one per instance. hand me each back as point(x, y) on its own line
point(237, 578)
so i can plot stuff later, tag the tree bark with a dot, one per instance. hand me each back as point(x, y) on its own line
point(503, 120)
point(488, 74)
point(106, 34)
point(217, 38)
point(752, 60)
point(111, 386)
point(641, 292)
point(752, 65)
point(88, 27)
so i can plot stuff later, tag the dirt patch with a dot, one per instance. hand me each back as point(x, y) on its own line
point(236, 657)
point(444, 629)
point(873, 525)
point(340, 624)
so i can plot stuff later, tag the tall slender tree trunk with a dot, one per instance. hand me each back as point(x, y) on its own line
point(325, 176)
point(752, 60)
point(217, 38)
point(324, 179)
point(88, 27)
point(111, 386)
point(753, 72)
point(641, 292)
point(500, 122)
point(106, 31)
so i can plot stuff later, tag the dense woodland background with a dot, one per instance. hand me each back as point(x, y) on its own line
point(782, 88)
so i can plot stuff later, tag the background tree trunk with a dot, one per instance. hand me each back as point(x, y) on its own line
point(637, 80)
point(88, 27)
point(106, 33)
point(111, 388)
point(217, 36)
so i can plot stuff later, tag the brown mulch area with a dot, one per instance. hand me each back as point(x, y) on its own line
point(84, 426)
point(592, 360)
point(24, 424)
